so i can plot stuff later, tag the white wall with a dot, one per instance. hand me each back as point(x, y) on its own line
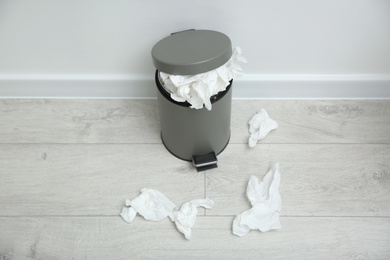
point(87, 38)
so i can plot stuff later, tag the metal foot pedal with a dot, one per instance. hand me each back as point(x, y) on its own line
point(205, 161)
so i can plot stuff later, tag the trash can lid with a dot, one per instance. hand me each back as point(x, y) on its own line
point(191, 52)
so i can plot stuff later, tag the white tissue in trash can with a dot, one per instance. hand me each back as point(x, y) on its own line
point(266, 204)
point(259, 126)
point(186, 216)
point(198, 89)
point(155, 206)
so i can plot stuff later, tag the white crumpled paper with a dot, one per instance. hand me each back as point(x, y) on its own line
point(185, 218)
point(151, 204)
point(266, 205)
point(155, 206)
point(198, 89)
point(259, 126)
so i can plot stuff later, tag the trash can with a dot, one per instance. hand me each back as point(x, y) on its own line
point(196, 135)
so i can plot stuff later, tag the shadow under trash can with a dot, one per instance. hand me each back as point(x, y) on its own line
point(190, 134)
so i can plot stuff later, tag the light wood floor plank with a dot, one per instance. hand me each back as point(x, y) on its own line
point(111, 238)
point(89, 179)
point(137, 121)
point(319, 180)
point(316, 121)
point(79, 121)
point(316, 179)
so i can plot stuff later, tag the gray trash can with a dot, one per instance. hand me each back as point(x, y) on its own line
point(196, 135)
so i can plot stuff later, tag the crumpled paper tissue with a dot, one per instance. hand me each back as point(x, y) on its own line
point(266, 205)
point(198, 89)
point(259, 126)
point(185, 218)
point(155, 206)
point(151, 204)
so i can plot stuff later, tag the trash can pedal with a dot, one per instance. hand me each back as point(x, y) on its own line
point(205, 161)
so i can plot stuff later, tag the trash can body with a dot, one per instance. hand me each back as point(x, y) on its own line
point(186, 132)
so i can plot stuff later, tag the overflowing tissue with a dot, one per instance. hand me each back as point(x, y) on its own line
point(198, 89)
point(259, 126)
point(266, 205)
point(155, 206)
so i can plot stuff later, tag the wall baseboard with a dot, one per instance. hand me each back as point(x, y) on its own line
point(283, 86)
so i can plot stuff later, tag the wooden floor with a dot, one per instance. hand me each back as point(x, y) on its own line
point(67, 166)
